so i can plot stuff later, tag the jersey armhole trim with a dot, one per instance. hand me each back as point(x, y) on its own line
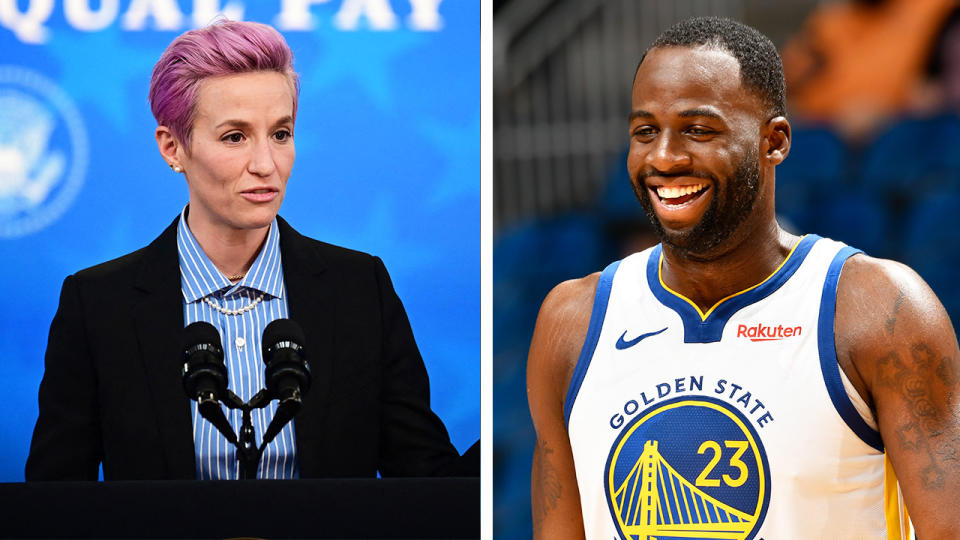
point(600, 301)
point(826, 345)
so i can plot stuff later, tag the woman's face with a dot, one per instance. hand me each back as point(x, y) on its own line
point(241, 151)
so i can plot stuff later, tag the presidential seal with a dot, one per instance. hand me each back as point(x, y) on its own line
point(689, 467)
point(43, 151)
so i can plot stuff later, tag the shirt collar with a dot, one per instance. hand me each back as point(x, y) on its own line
point(199, 277)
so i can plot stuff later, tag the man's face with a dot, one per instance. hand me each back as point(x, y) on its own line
point(694, 144)
point(241, 151)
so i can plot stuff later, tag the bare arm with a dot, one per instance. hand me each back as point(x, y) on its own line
point(557, 339)
point(895, 341)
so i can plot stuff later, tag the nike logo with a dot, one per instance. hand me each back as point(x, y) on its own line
point(622, 344)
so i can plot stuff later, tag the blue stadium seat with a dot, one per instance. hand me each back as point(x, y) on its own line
point(513, 444)
point(816, 165)
point(932, 246)
point(617, 202)
point(818, 157)
point(562, 247)
point(856, 217)
point(916, 156)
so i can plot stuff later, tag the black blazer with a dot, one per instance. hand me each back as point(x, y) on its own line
point(112, 388)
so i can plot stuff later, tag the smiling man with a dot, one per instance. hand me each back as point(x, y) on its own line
point(737, 381)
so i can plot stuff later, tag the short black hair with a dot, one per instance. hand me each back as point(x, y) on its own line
point(761, 69)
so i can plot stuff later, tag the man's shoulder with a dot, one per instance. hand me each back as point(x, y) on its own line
point(562, 328)
point(570, 298)
point(871, 279)
point(575, 297)
point(881, 303)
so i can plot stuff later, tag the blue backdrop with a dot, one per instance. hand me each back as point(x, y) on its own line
point(388, 162)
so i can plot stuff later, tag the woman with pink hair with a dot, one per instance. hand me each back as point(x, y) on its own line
point(225, 99)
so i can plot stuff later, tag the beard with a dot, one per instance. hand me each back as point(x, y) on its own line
point(721, 218)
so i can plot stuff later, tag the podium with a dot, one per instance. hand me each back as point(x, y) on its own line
point(332, 508)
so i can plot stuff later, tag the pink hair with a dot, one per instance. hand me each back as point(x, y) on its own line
point(223, 48)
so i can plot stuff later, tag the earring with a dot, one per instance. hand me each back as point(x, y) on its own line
point(176, 168)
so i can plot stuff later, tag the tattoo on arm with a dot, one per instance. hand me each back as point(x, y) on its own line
point(930, 430)
point(946, 373)
point(546, 489)
point(892, 318)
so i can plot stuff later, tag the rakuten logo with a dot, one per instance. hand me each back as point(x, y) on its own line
point(759, 332)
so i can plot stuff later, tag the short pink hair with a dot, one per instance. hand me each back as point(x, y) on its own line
point(223, 48)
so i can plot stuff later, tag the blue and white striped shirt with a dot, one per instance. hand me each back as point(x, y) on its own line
point(241, 335)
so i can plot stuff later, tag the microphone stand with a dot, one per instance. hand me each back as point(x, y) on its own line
point(248, 454)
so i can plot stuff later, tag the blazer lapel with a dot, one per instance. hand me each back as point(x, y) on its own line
point(310, 300)
point(158, 318)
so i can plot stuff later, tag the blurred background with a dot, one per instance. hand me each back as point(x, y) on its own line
point(388, 162)
point(874, 95)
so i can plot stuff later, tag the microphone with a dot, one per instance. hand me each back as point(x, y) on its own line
point(287, 373)
point(205, 374)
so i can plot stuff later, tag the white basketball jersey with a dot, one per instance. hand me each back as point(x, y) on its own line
point(729, 424)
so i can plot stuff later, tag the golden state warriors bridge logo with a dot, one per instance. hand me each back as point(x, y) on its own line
point(689, 467)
